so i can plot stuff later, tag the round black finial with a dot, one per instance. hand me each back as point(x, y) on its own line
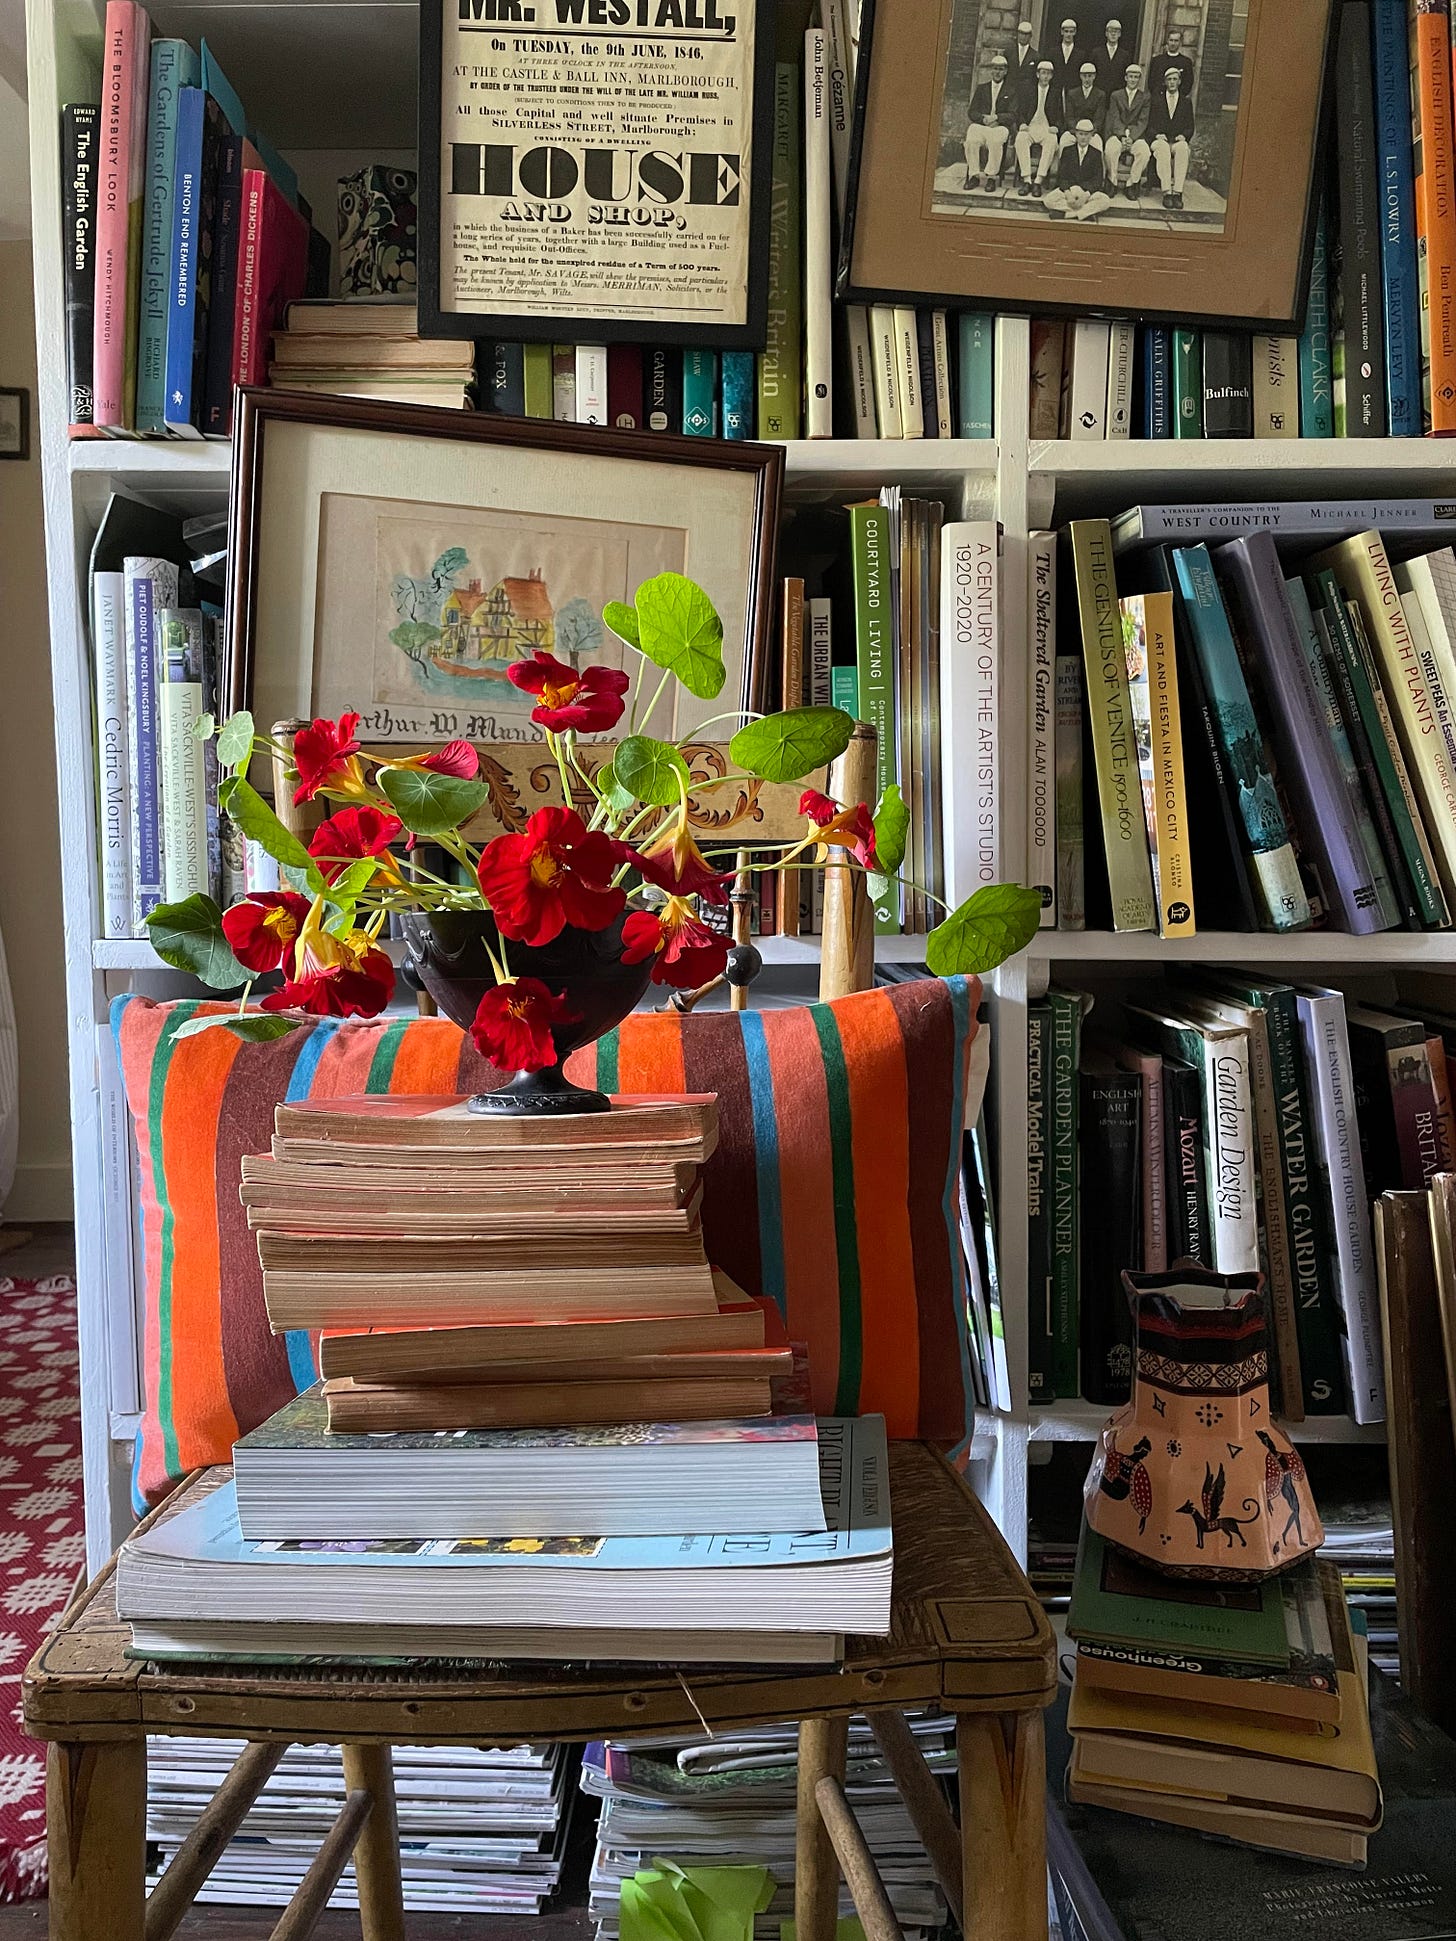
point(744, 964)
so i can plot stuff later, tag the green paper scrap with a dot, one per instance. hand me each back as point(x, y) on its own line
point(666, 1902)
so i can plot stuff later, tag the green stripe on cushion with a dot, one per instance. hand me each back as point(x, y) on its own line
point(851, 1325)
point(605, 1079)
point(381, 1065)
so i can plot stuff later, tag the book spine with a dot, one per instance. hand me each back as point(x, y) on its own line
point(780, 363)
point(1445, 1111)
point(184, 809)
point(886, 371)
point(591, 384)
point(1229, 1152)
point(563, 385)
point(1273, 1222)
point(943, 390)
point(1360, 198)
point(1089, 354)
point(860, 352)
point(1413, 1100)
point(1228, 384)
point(1327, 798)
point(624, 386)
point(250, 350)
point(1316, 401)
point(1041, 804)
point(1400, 283)
point(925, 357)
point(907, 370)
point(79, 140)
point(1276, 871)
point(1132, 620)
point(182, 312)
point(818, 268)
point(1048, 349)
point(113, 744)
point(1173, 873)
point(976, 373)
point(700, 393)
point(1187, 384)
point(1121, 343)
point(1342, 1180)
point(1436, 206)
point(738, 389)
point(227, 267)
point(819, 651)
point(1071, 894)
point(150, 585)
point(173, 66)
point(1040, 1318)
point(970, 810)
point(123, 111)
point(1276, 386)
point(507, 380)
point(1111, 1181)
point(791, 695)
point(1157, 381)
point(1189, 1237)
point(536, 380)
point(663, 387)
point(869, 527)
point(1065, 1149)
point(1124, 830)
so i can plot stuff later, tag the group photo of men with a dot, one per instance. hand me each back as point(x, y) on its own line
point(1084, 126)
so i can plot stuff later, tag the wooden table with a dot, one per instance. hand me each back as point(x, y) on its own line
point(966, 1634)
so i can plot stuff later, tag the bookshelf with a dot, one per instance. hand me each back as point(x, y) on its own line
point(277, 52)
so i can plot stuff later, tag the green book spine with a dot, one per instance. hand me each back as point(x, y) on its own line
point(1114, 742)
point(1118, 1600)
point(844, 688)
point(781, 362)
point(700, 393)
point(1187, 384)
point(1066, 1051)
point(537, 360)
point(976, 367)
point(1040, 1332)
point(874, 633)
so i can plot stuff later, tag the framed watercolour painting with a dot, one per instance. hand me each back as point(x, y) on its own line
point(1152, 158)
point(396, 559)
point(596, 171)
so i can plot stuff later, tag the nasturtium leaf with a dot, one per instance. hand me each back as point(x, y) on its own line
point(346, 886)
point(622, 620)
point(188, 936)
point(254, 1028)
point(205, 727)
point(787, 747)
point(984, 931)
point(878, 884)
point(619, 800)
point(235, 740)
point(429, 804)
point(678, 628)
point(892, 826)
point(259, 824)
point(651, 770)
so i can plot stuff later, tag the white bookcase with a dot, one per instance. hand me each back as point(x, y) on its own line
point(334, 82)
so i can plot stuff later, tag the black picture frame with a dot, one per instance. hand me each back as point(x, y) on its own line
point(21, 449)
point(436, 321)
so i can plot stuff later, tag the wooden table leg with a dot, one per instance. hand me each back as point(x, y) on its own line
point(96, 1821)
point(376, 1857)
point(823, 1747)
point(1002, 1761)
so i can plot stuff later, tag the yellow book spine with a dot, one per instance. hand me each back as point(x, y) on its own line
point(1114, 741)
point(1176, 916)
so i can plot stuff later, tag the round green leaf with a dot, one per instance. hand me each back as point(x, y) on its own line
point(622, 620)
point(787, 747)
point(258, 822)
point(653, 771)
point(619, 800)
point(987, 928)
point(254, 1027)
point(430, 804)
point(205, 727)
point(892, 826)
point(678, 628)
point(235, 740)
point(188, 936)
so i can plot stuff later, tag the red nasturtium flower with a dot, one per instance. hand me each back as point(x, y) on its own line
point(261, 929)
point(852, 829)
point(334, 977)
point(326, 755)
point(589, 699)
point(512, 1026)
point(352, 833)
point(686, 951)
point(674, 862)
point(554, 873)
point(455, 758)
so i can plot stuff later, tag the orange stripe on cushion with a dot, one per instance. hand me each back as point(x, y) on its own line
point(806, 1194)
point(650, 1054)
point(428, 1059)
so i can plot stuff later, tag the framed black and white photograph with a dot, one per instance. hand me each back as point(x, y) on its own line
point(14, 423)
point(596, 171)
point(1153, 157)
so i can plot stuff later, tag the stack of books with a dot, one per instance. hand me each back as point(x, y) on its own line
point(370, 347)
point(1239, 1710)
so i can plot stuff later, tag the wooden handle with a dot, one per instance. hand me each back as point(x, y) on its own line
point(867, 1890)
point(823, 1749)
point(924, 1801)
point(847, 960)
point(200, 1852)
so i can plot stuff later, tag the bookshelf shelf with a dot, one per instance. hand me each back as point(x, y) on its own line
point(1312, 947)
point(135, 953)
point(131, 459)
point(1082, 1422)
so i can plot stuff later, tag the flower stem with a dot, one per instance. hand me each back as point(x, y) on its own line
point(657, 696)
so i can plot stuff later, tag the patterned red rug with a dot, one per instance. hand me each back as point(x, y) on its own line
point(42, 1541)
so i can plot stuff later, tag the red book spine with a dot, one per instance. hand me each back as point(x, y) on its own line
point(624, 386)
point(123, 122)
point(1436, 201)
point(272, 272)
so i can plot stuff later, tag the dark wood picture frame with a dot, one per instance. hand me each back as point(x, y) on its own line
point(258, 407)
point(1062, 268)
point(437, 321)
point(22, 402)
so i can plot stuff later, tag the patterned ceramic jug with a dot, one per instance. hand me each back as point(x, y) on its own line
point(1193, 1476)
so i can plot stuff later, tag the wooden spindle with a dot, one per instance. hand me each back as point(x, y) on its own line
point(847, 958)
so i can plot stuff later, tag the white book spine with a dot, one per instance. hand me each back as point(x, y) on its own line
point(944, 400)
point(1276, 386)
point(261, 874)
point(113, 743)
point(184, 802)
point(818, 272)
point(1088, 400)
point(1229, 1146)
point(1041, 802)
point(886, 370)
point(969, 632)
point(861, 370)
point(150, 585)
point(837, 79)
point(1424, 582)
point(1326, 1042)
point(1433, 672)
point(907, 359)
point(591, 384)
point(1121, 338)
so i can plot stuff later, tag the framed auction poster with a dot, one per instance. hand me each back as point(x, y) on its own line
point(596, 171)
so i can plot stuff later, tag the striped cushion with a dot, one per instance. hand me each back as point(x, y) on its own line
point(834, 1188)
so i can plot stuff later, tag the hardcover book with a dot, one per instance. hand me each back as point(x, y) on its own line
point(174, 65)
point(1364, 206)
point(79, 129)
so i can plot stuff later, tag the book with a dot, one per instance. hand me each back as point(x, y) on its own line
point(1189, 1237)
point(1118, 1601)
point(1110, 1181)
point(624, 386)
point(297, 1480)
point(969, 634)
point(1228, 384)
point(563, 386)
point(688, 1122)
point(1040, 1317)
point(1067, 1011)
point(1070, 885)
point(1124, 829)
point(121, 178)
point(1410, 521)
point(181, 763)
point(1157, 370)
point(907, 364)
point(1041, 802)
point(79, 141)
point(216, 417)
point(885, 367)
point(943, 389)
point(1316, 399)
point(379, 1408)
point(1395, 1099)
point(700, 393)
point(791, 695)
point(1088, 351)
point(869, 525)
point(1276, 386)
point(1148, 1066)
point(738, 388)
point(1365, 209)
point(1187, 384)
point(1152, 674)
point(1048, 348)
point(174, 65)
point(662, 385)
point(859, 369)
point(818, 267)
point(1121, 342)
point(303, 1293)
point(591, 384)
point(1396, 222)
point(150, 585)
point(272, 268)
point(113, 751)
point(327, 353)
point(780, 363)
point(506, 363)
point(200, 129)
point(975, 374)
point(536, 380)
point(1435, 207)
